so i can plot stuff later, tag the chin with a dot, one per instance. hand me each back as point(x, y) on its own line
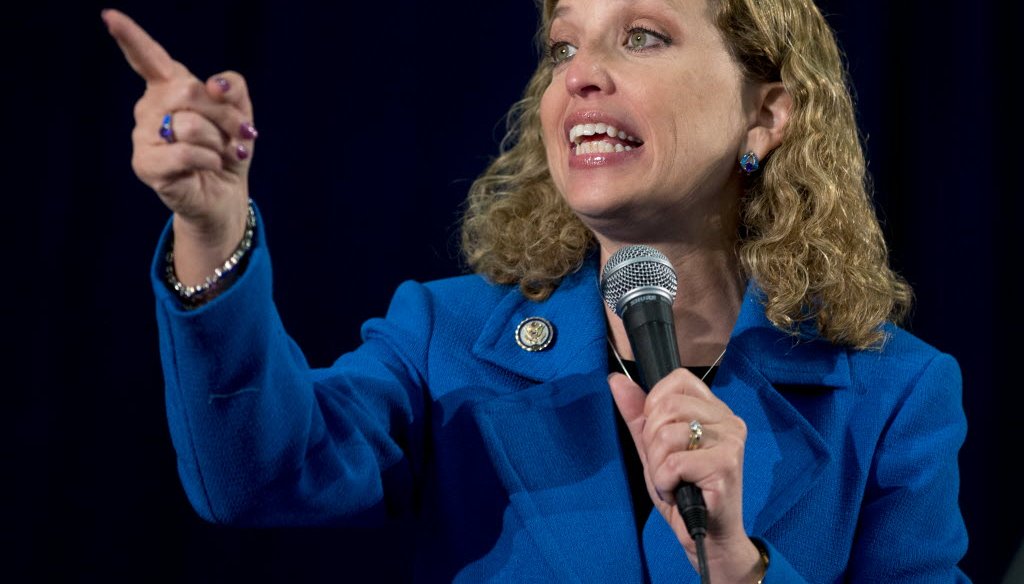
point(596, 201)
point(605, 214)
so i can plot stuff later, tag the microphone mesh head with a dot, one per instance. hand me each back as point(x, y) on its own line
point(636, 268)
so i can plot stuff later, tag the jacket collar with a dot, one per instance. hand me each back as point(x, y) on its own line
point(577, 312)
point(781, 358)
point(577, 315)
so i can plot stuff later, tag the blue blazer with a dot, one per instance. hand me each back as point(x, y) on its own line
point(507, 464)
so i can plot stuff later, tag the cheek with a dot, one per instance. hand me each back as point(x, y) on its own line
point(550, 116)
point(709, 123)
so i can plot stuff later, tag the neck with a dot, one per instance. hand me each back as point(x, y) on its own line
point(708, 298)
point(699, 237)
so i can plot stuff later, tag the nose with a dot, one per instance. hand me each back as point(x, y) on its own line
point(588, 74)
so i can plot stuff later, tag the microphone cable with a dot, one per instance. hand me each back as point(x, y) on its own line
point(693, 510)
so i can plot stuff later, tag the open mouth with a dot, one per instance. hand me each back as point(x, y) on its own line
point(601, 138)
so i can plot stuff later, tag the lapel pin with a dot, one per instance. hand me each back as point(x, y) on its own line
point(535, 334)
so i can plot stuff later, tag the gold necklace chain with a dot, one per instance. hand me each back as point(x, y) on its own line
point(626, 371)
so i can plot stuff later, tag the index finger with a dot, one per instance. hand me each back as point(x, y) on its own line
point(144, 54)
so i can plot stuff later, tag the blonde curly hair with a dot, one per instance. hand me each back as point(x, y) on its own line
point(809, 234)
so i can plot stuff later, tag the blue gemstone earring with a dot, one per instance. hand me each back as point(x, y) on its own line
point(749, 162)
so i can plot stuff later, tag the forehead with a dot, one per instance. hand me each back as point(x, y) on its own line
point(554, 9)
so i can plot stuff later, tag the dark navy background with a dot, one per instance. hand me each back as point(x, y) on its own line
point(373, 120)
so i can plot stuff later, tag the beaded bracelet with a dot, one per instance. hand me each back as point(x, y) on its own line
point(195, 296)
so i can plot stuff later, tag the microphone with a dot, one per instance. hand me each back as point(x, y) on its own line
point(639, 284)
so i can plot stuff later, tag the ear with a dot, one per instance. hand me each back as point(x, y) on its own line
point(770, 108)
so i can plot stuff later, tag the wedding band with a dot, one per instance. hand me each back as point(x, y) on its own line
point(165, 130)
point(696, 431)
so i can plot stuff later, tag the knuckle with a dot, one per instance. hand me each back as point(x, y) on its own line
point(137, 165)
point(194, 90)
point(672, 464)
point(658, 478)
point(185, 92)
point(662, 435)
point(739, 427)
point(139, 135)
point(650, 435)
point(142, 108)
point(652, 403)
point(732, 445)
point(664, 480)
point(143, 168)
point(730, 458)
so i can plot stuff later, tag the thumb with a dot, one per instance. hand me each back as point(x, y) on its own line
point(629, 398)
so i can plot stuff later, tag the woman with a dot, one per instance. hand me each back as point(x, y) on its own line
point(720, 133)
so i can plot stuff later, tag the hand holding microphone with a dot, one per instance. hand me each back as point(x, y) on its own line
point(639, 284)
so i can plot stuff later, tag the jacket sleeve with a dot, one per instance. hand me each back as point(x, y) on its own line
point(910, 527)
point(263, 439)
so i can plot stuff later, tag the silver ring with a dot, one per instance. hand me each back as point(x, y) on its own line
point(696, 431)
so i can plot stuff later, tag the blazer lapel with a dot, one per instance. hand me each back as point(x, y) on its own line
point(785, 454)
point(554, 444)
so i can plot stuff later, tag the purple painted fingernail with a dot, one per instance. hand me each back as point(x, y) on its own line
point(242, 152)
point(248, 131)
point(223, 84)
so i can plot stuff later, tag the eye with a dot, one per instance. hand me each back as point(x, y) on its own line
point(640, 39)
point(560, 52)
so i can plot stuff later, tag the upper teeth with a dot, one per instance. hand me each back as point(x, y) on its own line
point(580, 130)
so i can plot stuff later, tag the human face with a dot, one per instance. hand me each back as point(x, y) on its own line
point(659, 74)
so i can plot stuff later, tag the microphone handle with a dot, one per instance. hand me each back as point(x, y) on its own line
point(652, 336)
